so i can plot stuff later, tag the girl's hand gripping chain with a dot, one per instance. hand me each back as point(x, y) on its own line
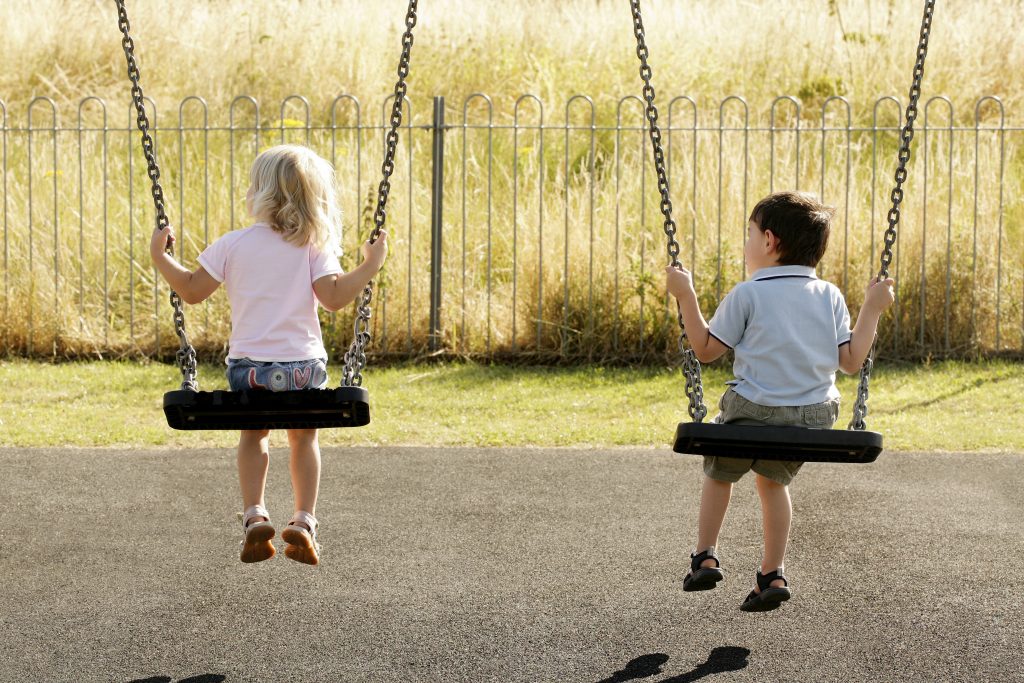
point(376, 253)
point(160, 241)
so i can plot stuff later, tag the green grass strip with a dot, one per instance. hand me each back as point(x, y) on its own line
point(939, 406)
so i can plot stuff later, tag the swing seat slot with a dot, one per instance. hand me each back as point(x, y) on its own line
point(777, 443)
point(235, 410)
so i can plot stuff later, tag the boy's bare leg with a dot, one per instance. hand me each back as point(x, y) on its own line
point(714, 502)
point(305, 468)
point(253, 461)
point(777, 513)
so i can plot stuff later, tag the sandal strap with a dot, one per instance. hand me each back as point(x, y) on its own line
point(764, 581)
point(698, 558)
point(303, 517)
point(254, 511)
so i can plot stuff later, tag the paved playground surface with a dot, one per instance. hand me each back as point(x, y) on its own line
point(504, 565)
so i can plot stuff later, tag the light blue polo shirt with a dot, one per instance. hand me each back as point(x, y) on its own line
point(785, 327)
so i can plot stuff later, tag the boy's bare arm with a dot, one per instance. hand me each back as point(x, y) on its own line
point(878, 298)
point(680, 285)
point(339, 290)
point(192, 287)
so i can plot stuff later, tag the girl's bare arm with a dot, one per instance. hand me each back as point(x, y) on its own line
point(192, 287)
point(339, 290)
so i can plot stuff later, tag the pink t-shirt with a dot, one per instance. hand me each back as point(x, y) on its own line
point(270, 288)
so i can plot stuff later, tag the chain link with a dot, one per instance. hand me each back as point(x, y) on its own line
point(186, 355)
point(691, 366)
point(355, 357)
point(860, 407)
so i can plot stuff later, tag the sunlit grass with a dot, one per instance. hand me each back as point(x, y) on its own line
point(940, 406)
point(321, 47)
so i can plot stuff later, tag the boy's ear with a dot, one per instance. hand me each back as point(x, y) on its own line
point(771, 240)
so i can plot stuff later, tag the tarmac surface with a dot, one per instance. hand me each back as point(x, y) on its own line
point(504, 565)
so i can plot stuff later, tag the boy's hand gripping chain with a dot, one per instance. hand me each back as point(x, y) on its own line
point(691, 366)
point(860, 407)
point(186, 355)
point(355, 357)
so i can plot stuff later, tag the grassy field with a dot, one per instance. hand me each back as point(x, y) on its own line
point(811, 49)
point(941, 406)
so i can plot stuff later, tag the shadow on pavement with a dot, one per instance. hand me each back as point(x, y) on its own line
point(720, 660)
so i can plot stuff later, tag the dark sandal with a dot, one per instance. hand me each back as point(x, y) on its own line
point(703, 578)
point(769, 598)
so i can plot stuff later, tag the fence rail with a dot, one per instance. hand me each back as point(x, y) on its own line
point(513, 233)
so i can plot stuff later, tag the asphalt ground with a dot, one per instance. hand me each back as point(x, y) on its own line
point(504, 565)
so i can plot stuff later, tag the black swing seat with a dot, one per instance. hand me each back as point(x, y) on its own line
point(234, 410)
point(778, 443)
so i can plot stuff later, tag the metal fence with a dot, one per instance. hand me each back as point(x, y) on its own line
point(515, 231)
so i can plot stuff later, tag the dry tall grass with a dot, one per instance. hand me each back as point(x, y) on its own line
point(609, 302)
point(69, 48)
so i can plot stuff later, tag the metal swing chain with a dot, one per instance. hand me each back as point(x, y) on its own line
point(186, 355)
point(691, 366)
point(355, 357)
point(860, 407)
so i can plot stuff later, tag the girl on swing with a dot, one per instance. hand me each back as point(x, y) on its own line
point(276, 271)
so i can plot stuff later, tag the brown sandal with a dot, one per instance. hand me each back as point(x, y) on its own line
point(256, 545)
point(300, 535)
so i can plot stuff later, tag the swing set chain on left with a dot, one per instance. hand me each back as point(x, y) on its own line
point(691, 366)
point(355, 357)
point(186, 354)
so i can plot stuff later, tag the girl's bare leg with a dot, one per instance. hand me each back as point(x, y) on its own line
point(777, 513)
point(714, 502)
point(305, 468)
point(253, 461)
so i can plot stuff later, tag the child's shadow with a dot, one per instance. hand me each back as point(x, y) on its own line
point(720, 660)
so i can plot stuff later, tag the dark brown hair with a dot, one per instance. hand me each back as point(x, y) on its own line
point(800, 222)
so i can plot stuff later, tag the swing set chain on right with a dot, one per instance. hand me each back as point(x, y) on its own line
point(355, 357)
point(186, 354)
point(860, 407)
point(691, 366)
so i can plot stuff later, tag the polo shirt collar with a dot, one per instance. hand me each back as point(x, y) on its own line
point(784, 271)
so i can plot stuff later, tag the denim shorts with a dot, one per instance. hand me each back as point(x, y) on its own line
point(739, 411)
point(247, 374)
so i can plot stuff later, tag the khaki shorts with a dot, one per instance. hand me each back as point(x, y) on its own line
point(737, 410)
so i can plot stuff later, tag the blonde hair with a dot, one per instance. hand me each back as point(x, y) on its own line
point(293, 191)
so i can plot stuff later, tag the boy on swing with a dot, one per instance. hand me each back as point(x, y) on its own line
point(789, 332)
